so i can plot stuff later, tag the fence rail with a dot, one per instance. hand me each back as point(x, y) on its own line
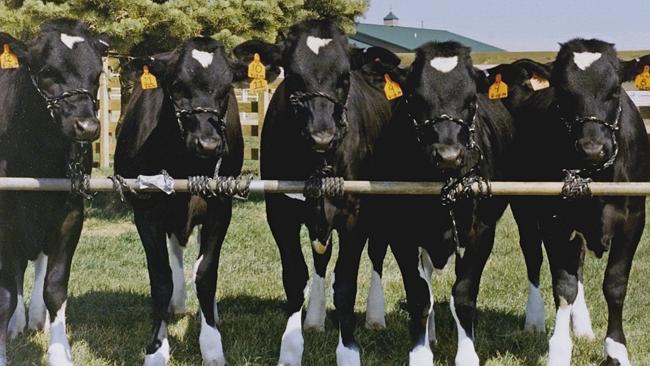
point(357, 187)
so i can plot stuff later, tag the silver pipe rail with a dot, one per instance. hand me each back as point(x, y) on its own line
point(357, 187)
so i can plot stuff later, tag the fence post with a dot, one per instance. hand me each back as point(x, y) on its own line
point(104, 117)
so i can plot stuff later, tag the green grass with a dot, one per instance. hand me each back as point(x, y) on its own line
point(108, 310)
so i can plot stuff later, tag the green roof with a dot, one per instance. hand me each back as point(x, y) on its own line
point(406, 39)
point(391, 16)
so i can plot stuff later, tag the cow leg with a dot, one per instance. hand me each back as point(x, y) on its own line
point(617, 275)
point(564, 258)
point(38, 317)
point(213, 233)
point(580, 319)
point(56, 285)
point(316, 306)
point(179, 295)
point(418, 298)
point(345, 292)
point(530, 241)
point(18, 321)
point(8, 299)
point(375, 308)
point(285, 228)
point(425, 267)
point(152, 234)
point(469, 268)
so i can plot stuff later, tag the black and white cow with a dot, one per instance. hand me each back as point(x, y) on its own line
point(188, 126)
point(596, 130)
point(48, 111)
point(444, 127)
point(323, 119)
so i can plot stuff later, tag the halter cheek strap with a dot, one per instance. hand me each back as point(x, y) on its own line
point(299, 99)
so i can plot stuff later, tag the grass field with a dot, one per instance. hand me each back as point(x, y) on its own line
point(108, 310)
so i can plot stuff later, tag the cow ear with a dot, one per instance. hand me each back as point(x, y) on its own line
point(270, 56)
point(516, 73)
point(102, 44)
point(630, 69)
point(16, 46)
point(157, 64)
point(375, 63)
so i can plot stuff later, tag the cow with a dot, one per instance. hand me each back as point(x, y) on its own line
point(47, 123)
point(443, 129)
point(322, 121)
point(188, 126)
point(596, 133)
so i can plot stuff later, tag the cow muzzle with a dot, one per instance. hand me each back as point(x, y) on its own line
point(592, 151)
point(448, 156)
point(86, 129)
point(206, 146)
point(322, 141)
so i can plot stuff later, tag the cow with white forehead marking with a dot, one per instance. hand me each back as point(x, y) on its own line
point(443, 129)
point(189, 126)
point(48, 100)
point(323, 120)
point(597, 133)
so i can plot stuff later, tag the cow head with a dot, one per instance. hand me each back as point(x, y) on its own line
point(441, 101)
point(196, 78)
point(587, 76)
point(317, 63)
point(65, 62)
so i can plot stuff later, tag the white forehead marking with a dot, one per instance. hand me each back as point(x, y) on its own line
point(204, 58)
point(69, 41)
point(444, 64)
point(315, 43)
point(584, 59)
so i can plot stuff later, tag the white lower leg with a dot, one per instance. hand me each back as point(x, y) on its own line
point(375, 310)
point(465, 354)
point(347, 356)
point(425, 268)
point(421, 356)
point(177, 304)
point(316, 307)
point(58, 352)
point(210, 343)
point(38, 315)
point(560, 344)
point(18, 319)
point(617, 351)
point(292, 341)
point(161, 356)
point(580, 318)
point(535, 318)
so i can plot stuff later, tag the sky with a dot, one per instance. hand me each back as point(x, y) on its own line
point(526, 25)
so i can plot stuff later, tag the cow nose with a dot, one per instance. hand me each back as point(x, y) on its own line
point(448, 156)
point(322, 140)
point(592, 150)
point(87, 129)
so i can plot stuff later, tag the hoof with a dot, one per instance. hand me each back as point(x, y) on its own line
point(375, 324)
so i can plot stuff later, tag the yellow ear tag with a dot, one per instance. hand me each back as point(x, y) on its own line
point(499, 89)
point(148, 80)
point(256, 69)
point(642, 81)
point(258, 85)
point(8, 59)
point(538, 83)
point(392, 88)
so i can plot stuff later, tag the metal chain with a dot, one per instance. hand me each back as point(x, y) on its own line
point(575, 187)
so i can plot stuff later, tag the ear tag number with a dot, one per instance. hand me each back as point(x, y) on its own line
point(8, 59)
point(538, 83)
point(499, 89)
point(257, 85)
point(392, 88)
point(148, 80)
point(256, 69)
point(642, 81)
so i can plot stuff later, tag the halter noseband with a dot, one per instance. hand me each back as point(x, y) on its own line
point(183, 113)
point(298, 100)
point(54, 103)
point(613, 127)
